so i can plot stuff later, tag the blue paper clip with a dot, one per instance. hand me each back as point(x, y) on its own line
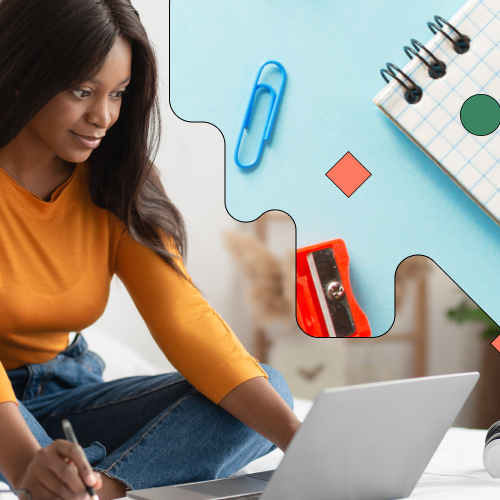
point(275, 101)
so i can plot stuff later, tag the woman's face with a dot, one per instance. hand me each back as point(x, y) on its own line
point(89, 110)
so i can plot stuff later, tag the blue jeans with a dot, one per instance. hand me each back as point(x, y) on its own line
point(145, 431)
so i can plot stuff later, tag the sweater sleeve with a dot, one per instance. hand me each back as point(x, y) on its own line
point(194, 338)
point(6, 390)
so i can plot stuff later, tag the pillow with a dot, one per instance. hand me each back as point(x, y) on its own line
point(121, 360)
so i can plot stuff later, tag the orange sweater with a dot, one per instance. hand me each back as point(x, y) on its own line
point(57, 260)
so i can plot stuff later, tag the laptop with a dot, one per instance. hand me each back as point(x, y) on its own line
point(360, 442)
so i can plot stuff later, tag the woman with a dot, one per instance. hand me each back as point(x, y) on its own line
point(81, 200)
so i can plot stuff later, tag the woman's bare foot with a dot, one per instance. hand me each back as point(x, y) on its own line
point(111, 488)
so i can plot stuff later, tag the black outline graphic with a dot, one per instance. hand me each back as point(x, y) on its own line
point(291, 218)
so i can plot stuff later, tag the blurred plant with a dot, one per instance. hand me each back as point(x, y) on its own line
point(466, 312)
point(272, 280)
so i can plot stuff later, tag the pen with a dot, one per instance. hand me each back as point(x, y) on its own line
point(70, 436)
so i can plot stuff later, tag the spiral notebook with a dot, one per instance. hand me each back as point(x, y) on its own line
point(425, 97)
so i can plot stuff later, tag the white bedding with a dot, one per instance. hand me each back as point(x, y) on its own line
point(456, 470)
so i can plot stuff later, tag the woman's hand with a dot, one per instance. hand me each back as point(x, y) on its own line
point(56, 472)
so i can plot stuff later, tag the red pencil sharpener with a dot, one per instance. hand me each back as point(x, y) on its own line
point(326, 306)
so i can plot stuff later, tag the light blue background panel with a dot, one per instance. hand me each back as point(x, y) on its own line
point(332, 52)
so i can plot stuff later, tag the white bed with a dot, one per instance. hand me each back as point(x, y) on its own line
point(456, 471)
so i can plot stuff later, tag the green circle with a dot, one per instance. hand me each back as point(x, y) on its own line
point(480, 114)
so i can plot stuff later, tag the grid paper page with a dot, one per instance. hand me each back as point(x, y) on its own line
point(434, 122)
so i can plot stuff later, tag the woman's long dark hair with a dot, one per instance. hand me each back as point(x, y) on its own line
point(49, 46)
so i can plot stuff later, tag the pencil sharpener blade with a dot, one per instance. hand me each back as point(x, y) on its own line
point(326, 306)
point(330, 291)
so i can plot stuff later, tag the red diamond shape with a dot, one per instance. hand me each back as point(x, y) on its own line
point(496, 343)
point(348, 174)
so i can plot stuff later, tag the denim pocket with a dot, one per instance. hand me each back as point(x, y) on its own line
point(68, 373)
point(92, 362)
point(95, 453)
point(74, 367)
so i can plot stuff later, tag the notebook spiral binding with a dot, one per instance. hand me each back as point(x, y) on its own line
point(436, 68)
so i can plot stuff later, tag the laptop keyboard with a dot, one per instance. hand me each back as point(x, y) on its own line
point(250, 496)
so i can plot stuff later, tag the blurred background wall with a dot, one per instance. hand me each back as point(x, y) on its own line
point(191, 160)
